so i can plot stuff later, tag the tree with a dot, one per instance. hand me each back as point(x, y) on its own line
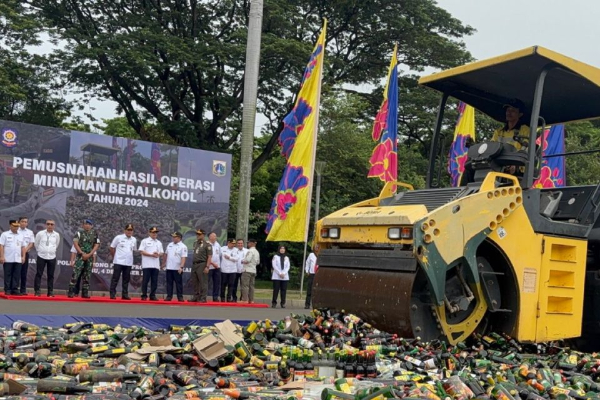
point(28, 90)
point(119, 127)
point(77, 124)
point(582, 169)
point(179, 63)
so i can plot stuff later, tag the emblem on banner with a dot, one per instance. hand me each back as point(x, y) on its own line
point(9, 138)
point(219, 168)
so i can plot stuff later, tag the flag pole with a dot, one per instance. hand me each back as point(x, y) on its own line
point(312, 161)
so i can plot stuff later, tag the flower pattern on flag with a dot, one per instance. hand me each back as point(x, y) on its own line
point(293, 124)
point(545, 140)
point(384, 162)
point(312, 62)
point(464, 131)
point(549, 178)
point(289, 215)
point(552, 171)
point(384, 159)
point(458, 158)
point(380, 125)
point(292, 181)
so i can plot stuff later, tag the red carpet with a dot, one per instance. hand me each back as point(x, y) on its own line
point(118, 300)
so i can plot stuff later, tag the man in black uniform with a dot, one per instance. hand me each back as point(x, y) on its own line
point(200, 263)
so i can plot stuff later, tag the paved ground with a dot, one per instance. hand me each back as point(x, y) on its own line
point(30, 307)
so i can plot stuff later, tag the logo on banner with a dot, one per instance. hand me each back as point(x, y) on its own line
point(219, 168)
point(9, 138)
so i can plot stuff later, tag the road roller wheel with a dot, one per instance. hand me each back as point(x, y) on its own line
point(395, 296)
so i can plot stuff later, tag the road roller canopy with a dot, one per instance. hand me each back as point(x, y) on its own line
point(571, 90)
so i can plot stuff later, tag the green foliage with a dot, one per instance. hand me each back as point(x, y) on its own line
point(179, 63)
point(119, 127)
point(28, 88)
point(77, 124)
point(583, 169)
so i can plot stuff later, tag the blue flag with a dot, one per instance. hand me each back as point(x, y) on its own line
point(553, 172)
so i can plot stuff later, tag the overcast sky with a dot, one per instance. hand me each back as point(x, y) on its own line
point(571, 28)
point(568, 27)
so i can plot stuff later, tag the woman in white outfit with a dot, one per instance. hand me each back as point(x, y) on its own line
point(280, 276)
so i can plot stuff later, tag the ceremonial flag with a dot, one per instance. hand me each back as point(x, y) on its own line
point(552, 173)
point(289, 215)
point(155, 160)
point(384, 160)
point(465, 129)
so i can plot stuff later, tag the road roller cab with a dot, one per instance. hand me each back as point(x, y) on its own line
point(493, 254)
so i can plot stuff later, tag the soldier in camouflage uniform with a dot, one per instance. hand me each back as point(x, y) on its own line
point(86, 243)
point(200, 263)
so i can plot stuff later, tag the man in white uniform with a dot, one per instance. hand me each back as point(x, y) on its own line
point(311, 269)
point(12, 255)
point(28, 242)
point(151, 250)
point(121, 250)
point(173, 261)
point(229, 268)
point(46, 245)
point(242, 251)
point(214, 269)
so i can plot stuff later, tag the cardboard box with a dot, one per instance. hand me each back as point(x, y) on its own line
point(228, 333)
point(209, 347)
point(162, 340)
point(212, 345)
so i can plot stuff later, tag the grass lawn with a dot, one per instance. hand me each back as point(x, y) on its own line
point(264, 290)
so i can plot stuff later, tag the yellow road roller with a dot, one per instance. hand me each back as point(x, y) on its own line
point(494, 253)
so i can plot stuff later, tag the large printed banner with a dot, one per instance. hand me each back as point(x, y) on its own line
point(68, 176)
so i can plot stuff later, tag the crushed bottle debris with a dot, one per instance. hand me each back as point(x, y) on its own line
point(325, 355)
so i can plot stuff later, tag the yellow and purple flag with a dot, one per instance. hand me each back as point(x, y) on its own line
point(384, 160)
point(465, 129)
point(289, 215)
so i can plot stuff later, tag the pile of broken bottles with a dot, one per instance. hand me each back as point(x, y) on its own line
point(327, 355)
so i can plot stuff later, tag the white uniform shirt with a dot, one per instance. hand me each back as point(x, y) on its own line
point(216, 254)
point(27, 235)
point(311, 262)
point(124, 247)
point(13, 243)
point(229, 266)
point(241, 254)
point(46, 244)
point(278, 269)
point(175, 252)
point(150, 245)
